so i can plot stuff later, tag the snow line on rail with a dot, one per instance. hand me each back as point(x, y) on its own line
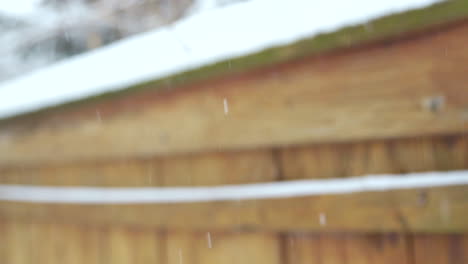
point(271, 190)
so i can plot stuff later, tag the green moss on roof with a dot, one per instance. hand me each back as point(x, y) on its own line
point(380, 29)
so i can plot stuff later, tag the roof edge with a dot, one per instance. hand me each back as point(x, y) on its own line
point(380, 29)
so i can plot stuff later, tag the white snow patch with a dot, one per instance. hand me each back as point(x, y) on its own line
point(226, 106)
point(18, 7)
point(208, 238)
point(322, 219)
point(202, 5)
point(201, 39)
point(272, 190)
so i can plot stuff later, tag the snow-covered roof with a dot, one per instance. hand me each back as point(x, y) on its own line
point(201, 39)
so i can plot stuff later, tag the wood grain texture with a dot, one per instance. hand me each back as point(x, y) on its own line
point(126, 244)
point(179, 247)
point(94, 238)
point(34, 243)
point(18, 243)
point(408, 88)
point(377, 248)
point(347, 248)
point(428, 210)
point(204, 169)
point(393, 156)
point(432, 249)
point(3, 241)
point(47, 252)
point(441, 249)
point(442, 210)
point(210, 246)
point(120, 246)
point(149, 246)
point(225, 248)
point(303, 248)
point(240, 248)
point(72, 241)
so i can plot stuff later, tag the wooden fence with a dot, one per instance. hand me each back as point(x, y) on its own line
point(393, 107)
point(411, 226)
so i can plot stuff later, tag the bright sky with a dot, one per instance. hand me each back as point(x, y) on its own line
point(18, 7)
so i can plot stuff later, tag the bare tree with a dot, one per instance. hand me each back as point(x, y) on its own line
point(63, 28)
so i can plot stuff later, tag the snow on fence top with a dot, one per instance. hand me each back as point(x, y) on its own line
point(193, 42)
point(272, 190)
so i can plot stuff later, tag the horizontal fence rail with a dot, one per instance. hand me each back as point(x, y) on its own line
point(272, 190)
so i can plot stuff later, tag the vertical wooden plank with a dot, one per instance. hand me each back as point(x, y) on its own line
point(337, 160)
point(138, 172)
point(93, 244)
point(441, 248)
point(3, 241)
point(303, 249)
point(460, 254)
point(58, 243)
point(122, 244)
point(261, 248)
point(318, 161)
point(119, 243)
point(396, 248)
point(431, 249)
point(218, 168)
point(347, 248)
point(39, 241)
point(380, 158)
point(126, 245)
point(451, 152)
point(47, 253)
point(357, 159)
point(215, 247)
point(360, 250)
point(129, 173)
point(332, 249)
point(72, 238)
point(180, 248)
point(415, 154)
point(375, 157)
point(148, 246)
point(376, 248)
point(51, 249)
point(18, 243)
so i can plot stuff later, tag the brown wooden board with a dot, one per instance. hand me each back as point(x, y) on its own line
point(411, 87)
point(441, 249)
point(17, 241)
point(224, 247)
point(27, 242)
point(396, 156)
point(428, 210)
point(3, 247)
point(347, 248)
point(442, 210)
